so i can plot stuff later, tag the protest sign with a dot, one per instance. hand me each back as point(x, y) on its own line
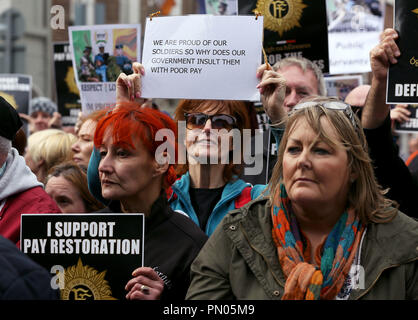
point(68, 95)
point(17, 90)
point(99, 54)
point(341, 86)
point(292, 28)
point(202, 57)
point(402, 83)
point(221, 7)
point(410, 126)
point(92, 256)
point(353, 31)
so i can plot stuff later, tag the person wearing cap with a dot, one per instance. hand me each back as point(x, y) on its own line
point(123, 61)
point(104, 55)
point(43, 115)
point(20, 190)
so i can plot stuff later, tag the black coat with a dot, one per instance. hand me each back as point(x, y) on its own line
point(172, 241)
point(21, 278)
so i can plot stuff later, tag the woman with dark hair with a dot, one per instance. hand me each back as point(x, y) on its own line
point(67, 185)
point(135, 168)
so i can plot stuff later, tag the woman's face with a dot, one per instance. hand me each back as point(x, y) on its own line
point(210, 143)
point(84, 146)
point(66, 195)
point(315, 174)
point(125, 174)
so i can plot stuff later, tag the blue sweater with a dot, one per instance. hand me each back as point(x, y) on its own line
point(181, 202)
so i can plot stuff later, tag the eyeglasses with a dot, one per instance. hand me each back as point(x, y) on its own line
point(332, 105)
point(218, 121)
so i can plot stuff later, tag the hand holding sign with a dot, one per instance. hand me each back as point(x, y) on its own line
point(146, 285)
point(272, 88)
point(384, 54)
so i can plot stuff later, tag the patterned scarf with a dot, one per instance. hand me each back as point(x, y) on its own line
point(334, 256)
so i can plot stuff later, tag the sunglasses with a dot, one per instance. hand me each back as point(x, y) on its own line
point(218, 121)
point(332, 105)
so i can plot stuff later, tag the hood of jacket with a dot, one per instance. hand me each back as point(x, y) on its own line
point(17, 176)
point(183, 202)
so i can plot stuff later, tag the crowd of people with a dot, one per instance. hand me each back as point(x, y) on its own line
point(337, 219)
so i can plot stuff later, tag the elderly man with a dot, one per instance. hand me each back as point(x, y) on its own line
point(20, 191)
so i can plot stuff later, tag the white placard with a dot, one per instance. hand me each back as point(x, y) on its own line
point(202, 57)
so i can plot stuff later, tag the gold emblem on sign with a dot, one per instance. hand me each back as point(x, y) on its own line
point(280, 15)
point(70, 81)
point(85, 283)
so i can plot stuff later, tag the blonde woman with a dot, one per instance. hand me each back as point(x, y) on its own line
point(325, 232)
point(46, 149)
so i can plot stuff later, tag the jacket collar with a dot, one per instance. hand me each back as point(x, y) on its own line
point(396, 237)
point(160, 211)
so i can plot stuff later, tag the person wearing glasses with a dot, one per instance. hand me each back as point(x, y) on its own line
point(324, 231)
point(135, 180)
point(209, 186)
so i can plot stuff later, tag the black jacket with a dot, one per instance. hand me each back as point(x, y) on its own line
point(172, 241)
point(21, 278)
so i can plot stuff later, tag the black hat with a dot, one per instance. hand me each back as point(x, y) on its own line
point(10, 121)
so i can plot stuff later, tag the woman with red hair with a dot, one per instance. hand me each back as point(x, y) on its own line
point(135, 168)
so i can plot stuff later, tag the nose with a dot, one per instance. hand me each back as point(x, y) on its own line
point(304, 161)
point(106, 164)
point(75, 147)
point(208, 126)
point(291, 100)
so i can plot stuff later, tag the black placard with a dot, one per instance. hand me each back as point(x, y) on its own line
point(402, 85)
point(93, 255)
point(68, 95)
point(292, 28)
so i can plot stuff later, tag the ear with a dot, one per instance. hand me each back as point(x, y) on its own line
point(161, 164)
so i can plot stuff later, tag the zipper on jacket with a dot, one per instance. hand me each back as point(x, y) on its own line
point(264, 258)
point(374, 282)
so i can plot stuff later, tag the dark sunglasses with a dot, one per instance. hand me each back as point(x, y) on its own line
point(218, 121)
point(333, 105)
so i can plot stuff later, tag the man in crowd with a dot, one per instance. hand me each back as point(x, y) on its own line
point(20, 191)
point(43, 115)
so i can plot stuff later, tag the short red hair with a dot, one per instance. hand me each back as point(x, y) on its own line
point(130, 122)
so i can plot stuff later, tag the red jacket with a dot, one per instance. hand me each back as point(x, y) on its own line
point(33, 200)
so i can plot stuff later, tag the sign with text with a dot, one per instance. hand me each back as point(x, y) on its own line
point(92, 256)
point(411, 125)
point(17, 90)
point(68, 95)
point(202, 57)
point(402, 83)
point(99, 54)
point(353, 31)
point(292, 28)
point(341, 86)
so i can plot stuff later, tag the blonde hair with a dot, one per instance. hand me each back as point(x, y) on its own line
point(51, 145)
point(365, 196)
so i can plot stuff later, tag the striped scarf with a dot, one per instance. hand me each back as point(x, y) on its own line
point(334, 256)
